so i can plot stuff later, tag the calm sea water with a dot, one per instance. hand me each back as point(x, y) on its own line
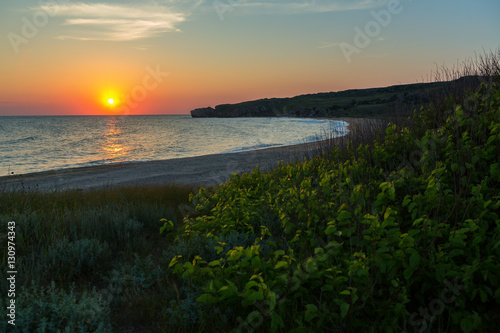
point(31, 144)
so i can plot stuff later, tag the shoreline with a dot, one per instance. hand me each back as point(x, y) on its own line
point(205, 170)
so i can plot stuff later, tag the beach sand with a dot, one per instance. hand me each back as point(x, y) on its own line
point(205, 170)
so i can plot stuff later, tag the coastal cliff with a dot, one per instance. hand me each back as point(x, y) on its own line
point(372, 102)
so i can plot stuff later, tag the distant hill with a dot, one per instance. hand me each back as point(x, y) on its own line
point(372, 102)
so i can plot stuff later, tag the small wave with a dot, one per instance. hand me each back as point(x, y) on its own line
point(314, 138)
point(100, 162)
point(263, 146)
point(338, 123)
point(82, 141)
point(104, 162)
point(12, 142)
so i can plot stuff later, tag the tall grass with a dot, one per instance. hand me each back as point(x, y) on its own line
point(463, 77)
point(89, 238)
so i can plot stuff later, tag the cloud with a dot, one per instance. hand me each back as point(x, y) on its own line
point(305, 6)
point(99, 21)
point(123, 22)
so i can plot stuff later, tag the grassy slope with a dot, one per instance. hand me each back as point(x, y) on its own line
point(107, 239)
point(400, 234)
point(374, 102)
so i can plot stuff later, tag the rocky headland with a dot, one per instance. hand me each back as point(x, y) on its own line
point(372, 102)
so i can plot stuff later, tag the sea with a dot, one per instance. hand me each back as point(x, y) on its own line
point(41, 143)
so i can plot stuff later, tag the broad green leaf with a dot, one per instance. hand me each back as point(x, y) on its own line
point(343, 215)
point(414, 260)
point(281, 264)
point(495, 171)
point(251, 284)
point(214, 263)
point(311, 312)
point(207, 298)
point(344, 308)
point(252, 297)
point(276, 321)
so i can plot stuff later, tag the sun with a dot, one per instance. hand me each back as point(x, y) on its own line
point(110, 100)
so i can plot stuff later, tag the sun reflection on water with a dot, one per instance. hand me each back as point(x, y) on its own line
point(113, 144)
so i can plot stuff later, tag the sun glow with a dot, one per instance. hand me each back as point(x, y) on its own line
point(110, 99)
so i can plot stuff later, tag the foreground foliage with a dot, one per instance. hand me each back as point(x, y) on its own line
point(401, 234)
point(397, 234)
point(84, 259)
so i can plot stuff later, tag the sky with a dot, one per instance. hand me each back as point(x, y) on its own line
point(64, 57)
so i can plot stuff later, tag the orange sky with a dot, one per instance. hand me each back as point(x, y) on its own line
point(82, 54)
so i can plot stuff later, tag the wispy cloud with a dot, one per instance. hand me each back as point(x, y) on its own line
point(306, 6)
point(122, 22)
point(99, 21)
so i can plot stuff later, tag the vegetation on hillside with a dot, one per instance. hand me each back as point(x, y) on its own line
point(398, 230)
point(89, 261)
point(379, 103)
point(373, 102)
point(401, 234)
point(394, 101)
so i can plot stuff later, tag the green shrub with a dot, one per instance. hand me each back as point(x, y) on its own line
point(125, 231)
point(76, 260)
point(143, 275)
point(200, 245)
point(374, 237)
point(186, 311)
point(50, 309)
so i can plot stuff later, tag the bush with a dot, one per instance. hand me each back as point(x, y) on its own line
point(77, 259)
point(144, 274)
point(366, 241)
point(41, 310)
point(186, 311)
point(124, 231)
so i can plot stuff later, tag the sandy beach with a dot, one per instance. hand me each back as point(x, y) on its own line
point(205, 170)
